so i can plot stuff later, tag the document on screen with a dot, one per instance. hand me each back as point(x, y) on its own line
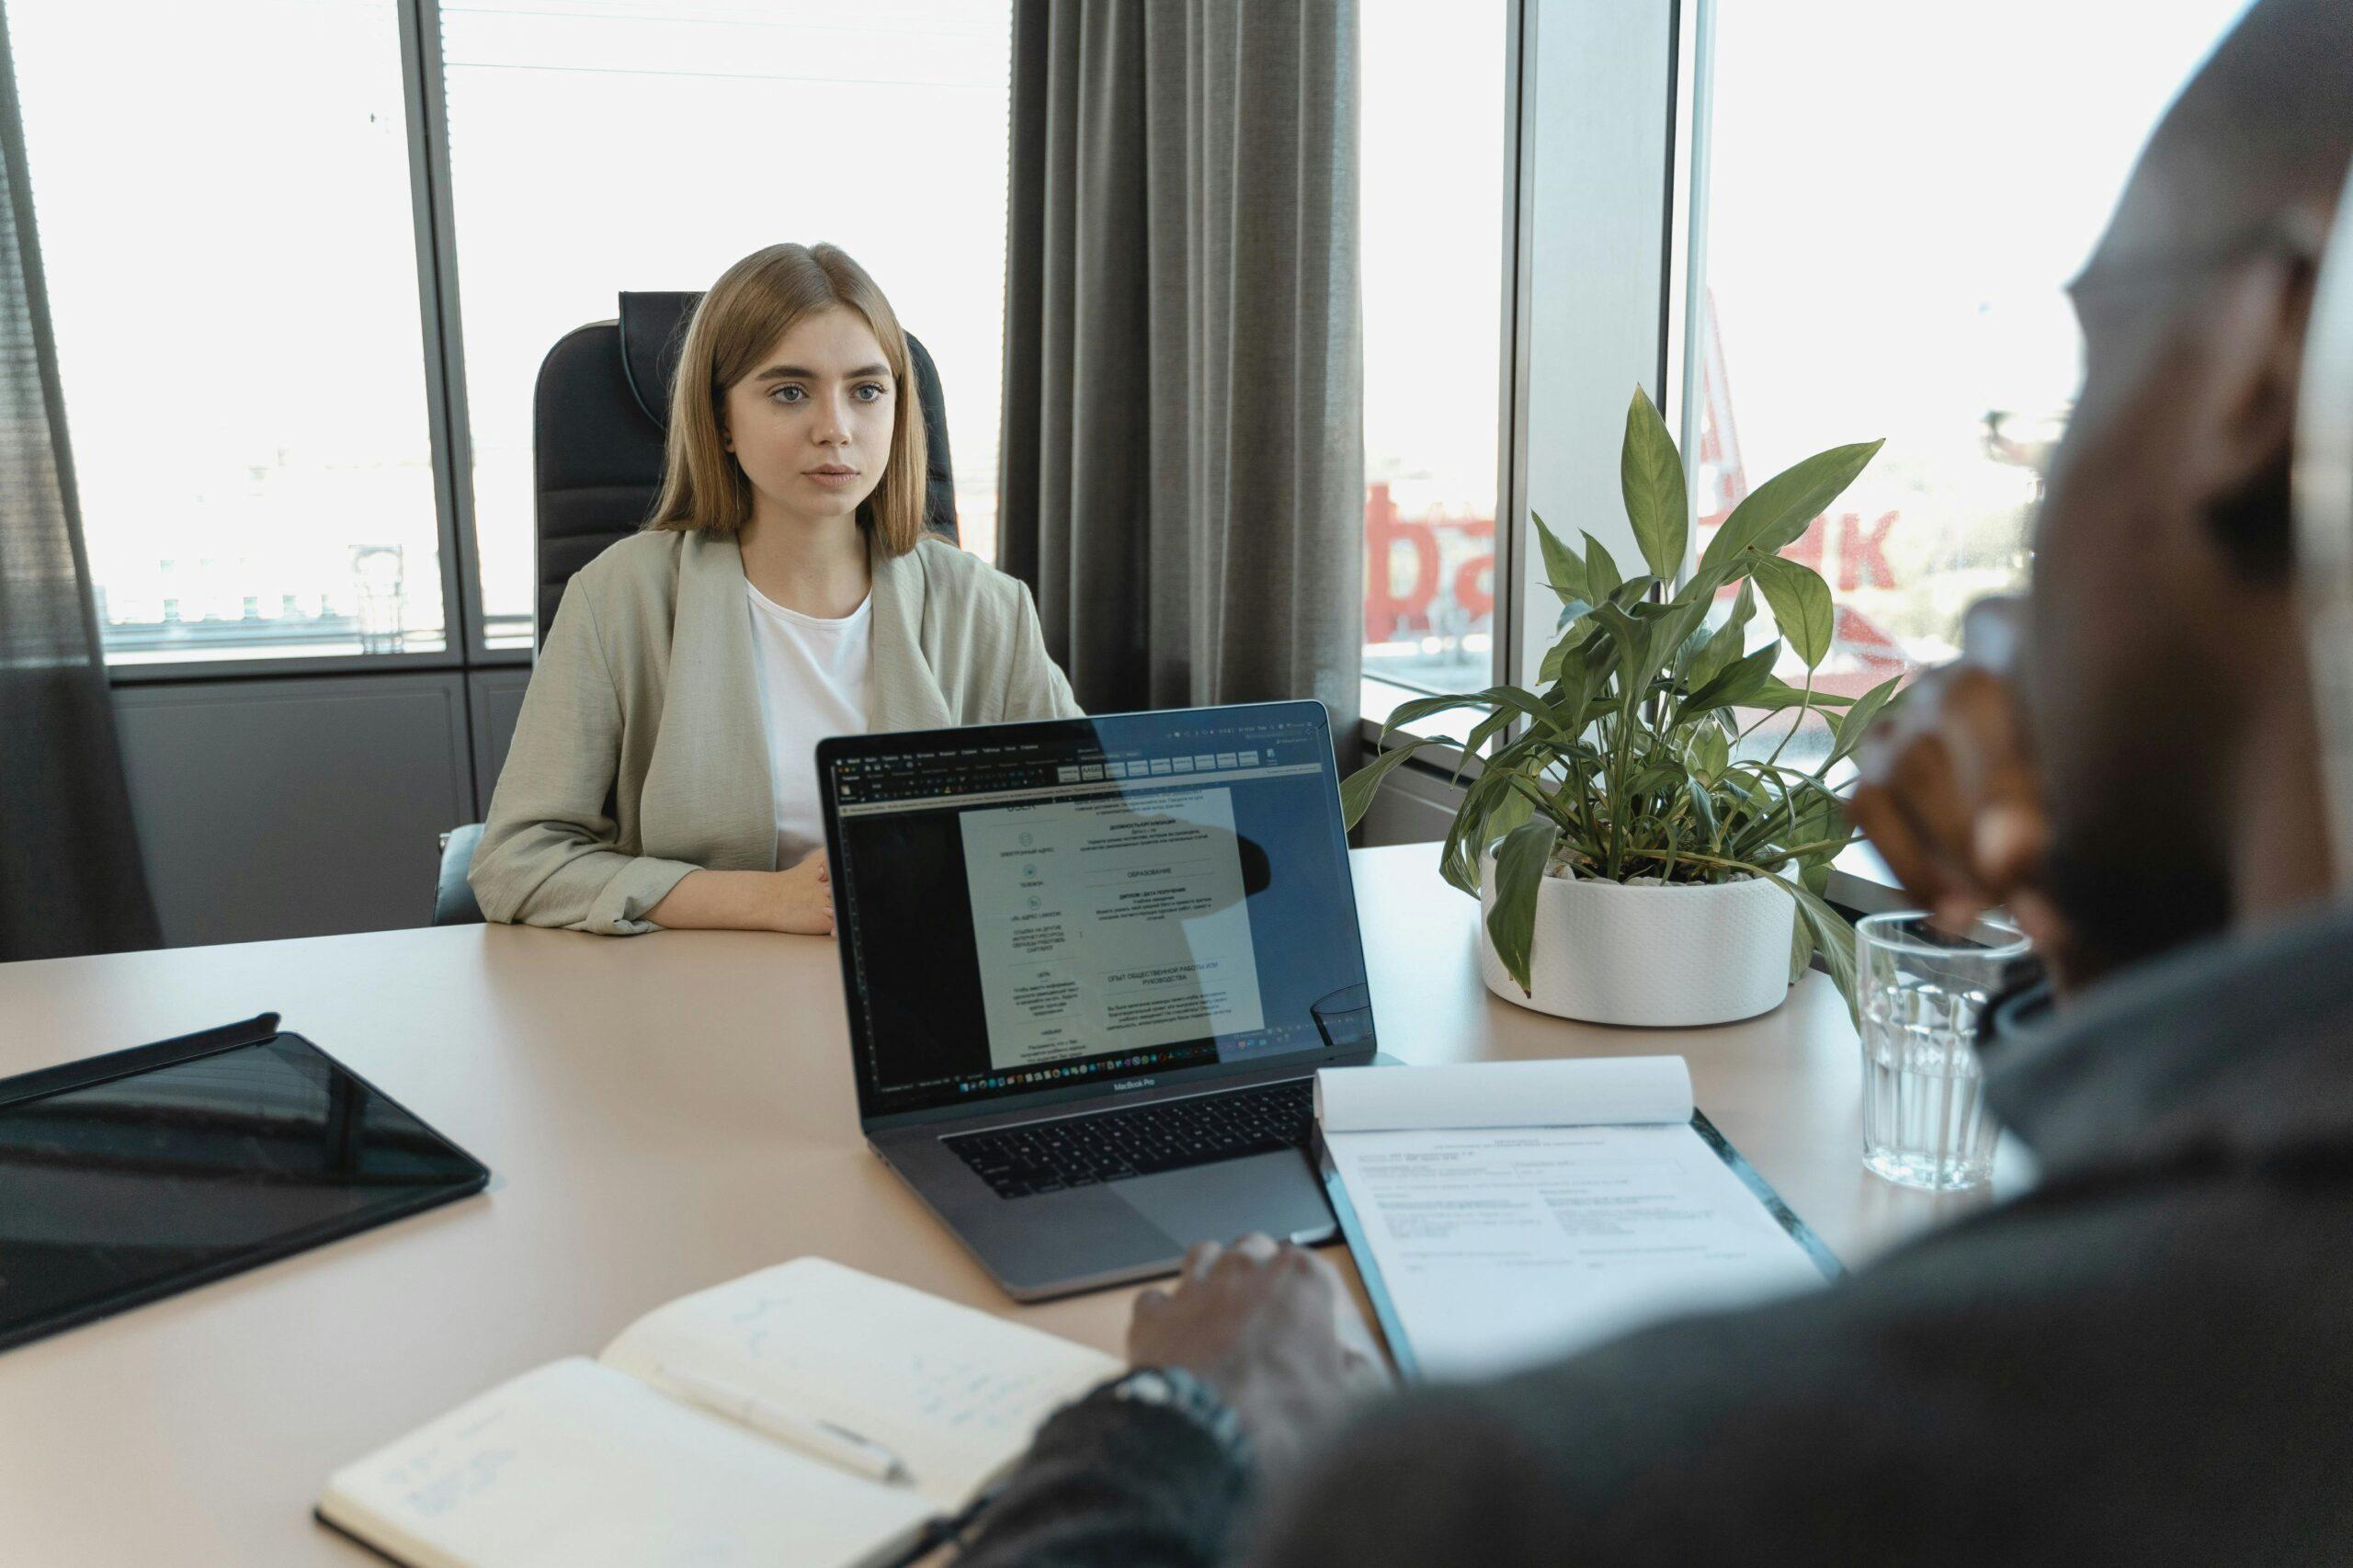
point(1108, 923)
point(1515, 1211)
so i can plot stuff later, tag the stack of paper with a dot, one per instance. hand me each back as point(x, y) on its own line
point(1505, 1211)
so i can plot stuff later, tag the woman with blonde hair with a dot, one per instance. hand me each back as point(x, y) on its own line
point(662, 772)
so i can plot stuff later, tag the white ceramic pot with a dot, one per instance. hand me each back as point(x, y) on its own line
point(1675, 955)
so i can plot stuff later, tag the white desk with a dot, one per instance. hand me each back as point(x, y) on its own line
point(660, 1113)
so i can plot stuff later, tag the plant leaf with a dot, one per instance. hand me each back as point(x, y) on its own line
point(1527, 704)
point(1421, 708)
point(1519, 876)
point(1703, 801)
point(1679, 636)
point(1857, 720)
point(1710, 753)
point(1357, 788)
point(1513, 809)
point(1579, 683)
point(1556, 661)
point(1800, 948)
point(1634, 592)
point(1572, 611)
point(1831, 936)
point(1651, 473)
point(1659, 778)
point(1775, 695)
point(1728, 640)
point(1602, 574)
point(1631, 639)
point(1458, 857)
point(1493, 697)
point(1562, 569)
point(1735, 686)
point(1774, 514)
point(1485, 730)
point(1800, 602)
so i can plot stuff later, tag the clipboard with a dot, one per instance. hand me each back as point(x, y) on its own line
point(1385, 1305)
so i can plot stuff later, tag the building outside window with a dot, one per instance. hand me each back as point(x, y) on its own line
point(1889, 240)
point(224, 218)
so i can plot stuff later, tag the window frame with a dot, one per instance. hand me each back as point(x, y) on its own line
point(434, 207)
point(1571, 105)
point(1591, 174)
point(425, 115)
point(1608, 129)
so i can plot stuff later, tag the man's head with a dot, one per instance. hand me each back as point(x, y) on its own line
point(2165, 670)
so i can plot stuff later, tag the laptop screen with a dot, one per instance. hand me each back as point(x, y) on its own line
point(1086, 902)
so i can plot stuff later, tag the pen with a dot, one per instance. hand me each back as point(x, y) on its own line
point(811, 1433)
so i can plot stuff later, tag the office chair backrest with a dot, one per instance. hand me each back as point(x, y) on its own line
point(597, 417)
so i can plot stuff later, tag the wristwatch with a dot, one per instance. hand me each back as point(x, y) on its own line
point(1192, 1397)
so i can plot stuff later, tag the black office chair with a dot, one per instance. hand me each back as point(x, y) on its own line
point(598, 413)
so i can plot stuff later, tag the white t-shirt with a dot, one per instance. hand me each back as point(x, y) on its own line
point(815, 680)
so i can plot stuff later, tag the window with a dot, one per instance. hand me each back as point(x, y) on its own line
point(1886, 251)
point(1431, 183)
point(597, 147)
point(225, 217)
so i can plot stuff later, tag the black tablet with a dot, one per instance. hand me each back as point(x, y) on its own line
point(129, 1176)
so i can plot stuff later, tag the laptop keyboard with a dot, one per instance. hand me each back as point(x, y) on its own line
point(1079, 1151)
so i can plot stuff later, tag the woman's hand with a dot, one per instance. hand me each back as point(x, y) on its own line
point(803, 896)
point(798, 899)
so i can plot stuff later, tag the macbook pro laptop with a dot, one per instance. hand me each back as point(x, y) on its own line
point(1092, 966)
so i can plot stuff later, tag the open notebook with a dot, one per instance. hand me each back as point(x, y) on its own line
point(1505, 1212)
point(807, 1415)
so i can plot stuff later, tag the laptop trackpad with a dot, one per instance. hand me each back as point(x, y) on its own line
point(1221, 1202)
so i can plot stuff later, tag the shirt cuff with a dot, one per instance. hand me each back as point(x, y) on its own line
point(637, 887)
point(1112, 1480)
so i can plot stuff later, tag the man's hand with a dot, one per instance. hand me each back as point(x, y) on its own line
point(1272, 1329)
point(1948, 792)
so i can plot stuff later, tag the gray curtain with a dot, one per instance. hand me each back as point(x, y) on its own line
point(70, 880)
point(1183, 469)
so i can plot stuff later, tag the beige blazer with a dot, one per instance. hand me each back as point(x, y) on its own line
point(641, 754)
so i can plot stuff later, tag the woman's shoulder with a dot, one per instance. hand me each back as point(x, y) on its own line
point(628, 593)
point(650, 555)
point(634, 573)
point(963, 579)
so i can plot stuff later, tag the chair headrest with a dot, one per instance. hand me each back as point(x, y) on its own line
point(653, 331)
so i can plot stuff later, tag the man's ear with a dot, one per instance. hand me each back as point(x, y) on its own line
point(2245, 435)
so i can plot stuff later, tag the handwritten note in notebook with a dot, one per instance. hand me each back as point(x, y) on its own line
point(1505, 1212)
point(628, 1460)
point(954, 1392)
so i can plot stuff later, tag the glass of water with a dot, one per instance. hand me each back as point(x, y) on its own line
point(1923, 992)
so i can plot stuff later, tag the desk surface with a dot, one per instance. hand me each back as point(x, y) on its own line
point(662, 1113)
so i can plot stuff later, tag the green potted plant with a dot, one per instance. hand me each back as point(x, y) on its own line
point(1642, 852)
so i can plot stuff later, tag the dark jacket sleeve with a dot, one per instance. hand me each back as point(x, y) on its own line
point(1426, 1480)
point(1113, 1484)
